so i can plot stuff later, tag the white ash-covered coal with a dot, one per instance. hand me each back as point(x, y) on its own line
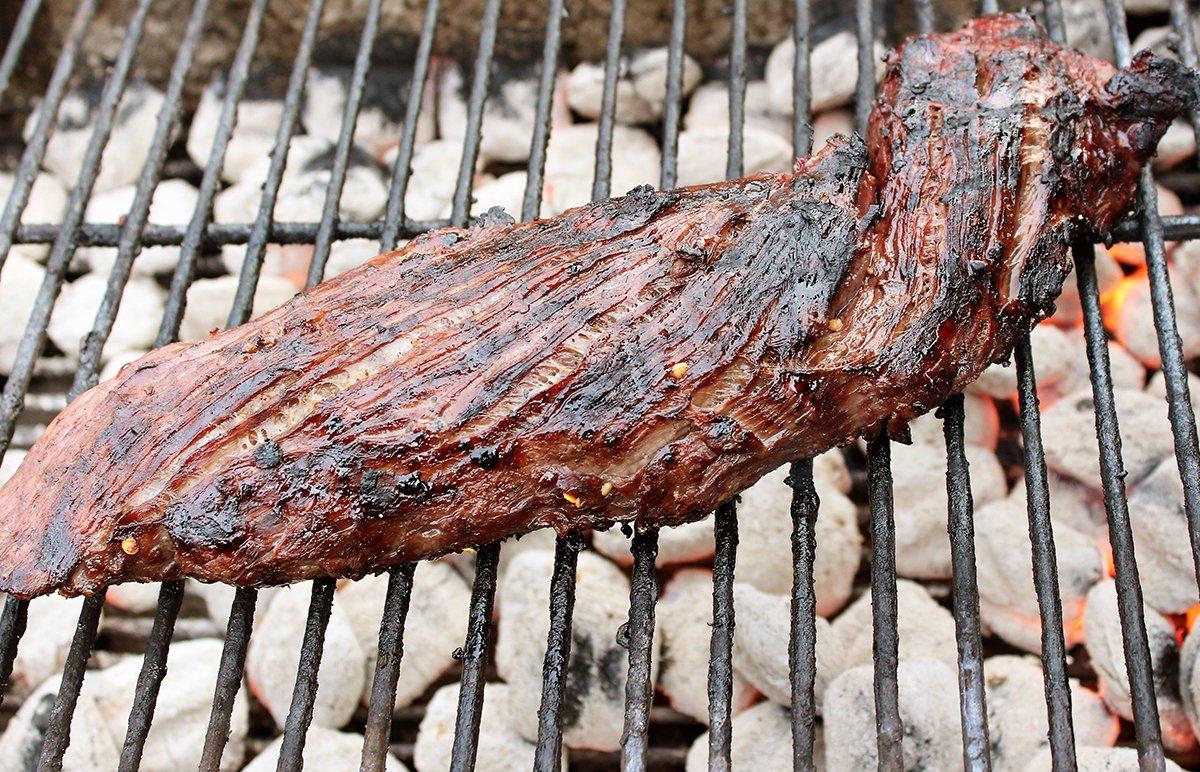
point(1103, 639)
point(47, 202)
point(98, 727)
point(508, 114)
point(593, 715)
point(1098, 760)
point(919, 491)
point(129, 142)
point(762, 739)
point(928, 710)
point(142, 305)
point(760, 649)
point(1017, 724)
point(258, 116)
point(1008, 604)
point(173, 203)
point(835, 57)
point(209, 301)
point(501, 748)
point(708, 108)
point(926, 628)
point(594, 707)
point(274, 657)
point(765, 530)
point(19, 285)
point(325, 749)
point(684, 615)
point(571, 163)
point(641, 86)
point(380, 121)
point(435, 626)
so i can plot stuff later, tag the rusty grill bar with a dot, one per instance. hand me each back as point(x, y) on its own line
point(134, 232)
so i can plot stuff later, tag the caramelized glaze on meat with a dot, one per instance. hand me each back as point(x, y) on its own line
point(638, 359)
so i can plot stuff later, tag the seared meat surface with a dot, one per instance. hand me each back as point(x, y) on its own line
point(638, 359)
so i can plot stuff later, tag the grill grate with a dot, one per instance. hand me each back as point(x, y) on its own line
point(134, 232)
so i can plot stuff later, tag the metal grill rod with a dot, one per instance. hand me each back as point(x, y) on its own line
point(1045, 564)
point(1181, 21)
point(304, 695)
point(229, 677)
point(243, 302)
point(16, 42)
point(737, 92)
point(345, 140)
point(555, 662)
point(1112, 476)
point(394, 219)
point(639, 691)
point(531, 202)
point(924, 12)
point(382, 701)
point(43, 127)
point(154, 669)
point(233, 655)
point(864, 89)
point(12, 627)
point(802, 641)
point(885, 643)
point(720, 670)
point(483, 591)
point(961, 527)
point(482, 78)
point(673, 104)
point(58, 726)
point(725, 525)
point(608, 101)
point(470, 694)
point(1041, 531)
point(802, 644)
point(548, 753)
point(802, 130)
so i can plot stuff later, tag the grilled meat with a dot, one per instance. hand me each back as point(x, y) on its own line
point(638, 359)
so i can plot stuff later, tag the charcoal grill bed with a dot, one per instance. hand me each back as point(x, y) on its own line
point(134, 232)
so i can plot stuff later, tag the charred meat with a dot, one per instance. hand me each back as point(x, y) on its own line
point(639, 359)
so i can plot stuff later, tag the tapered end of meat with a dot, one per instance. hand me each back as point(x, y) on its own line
point(1154, 87)
point(1151, 92)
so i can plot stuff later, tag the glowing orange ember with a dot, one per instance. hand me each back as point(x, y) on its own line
point(1109, 564)
point(1112, 303)
point(1191, 616)
point(1128, 254)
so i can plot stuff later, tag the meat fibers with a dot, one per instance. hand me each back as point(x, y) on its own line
point(640, 359)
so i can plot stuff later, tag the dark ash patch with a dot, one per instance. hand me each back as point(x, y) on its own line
point(268, 455)
point(212, 519)
point(485, 458)
point(379, 492)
